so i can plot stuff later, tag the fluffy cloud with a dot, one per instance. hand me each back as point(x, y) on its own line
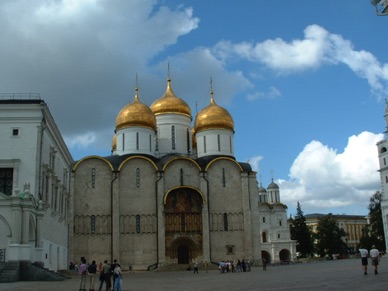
point(324, 180)
point(318, 47)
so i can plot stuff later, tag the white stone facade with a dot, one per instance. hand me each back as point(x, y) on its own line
point(382, 147)
point(34, 185)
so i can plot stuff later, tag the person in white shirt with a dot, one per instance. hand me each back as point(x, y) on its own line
point(364, 260)
point(374, 255)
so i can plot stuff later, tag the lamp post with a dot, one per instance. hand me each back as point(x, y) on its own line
point(381, 7)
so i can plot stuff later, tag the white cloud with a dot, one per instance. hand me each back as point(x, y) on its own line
point(318, 47)
point(271, 93)
point(254, 162)
point(321, 178)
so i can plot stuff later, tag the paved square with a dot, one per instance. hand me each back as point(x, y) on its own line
point(330, 275)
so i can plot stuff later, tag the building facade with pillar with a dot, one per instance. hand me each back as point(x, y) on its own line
point(34, 184)
point(172, 192)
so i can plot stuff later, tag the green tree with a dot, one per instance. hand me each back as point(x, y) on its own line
point(330, 237)
point(373, 234)
point(300, 232)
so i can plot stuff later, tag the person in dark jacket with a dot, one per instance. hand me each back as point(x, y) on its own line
point(92, 270)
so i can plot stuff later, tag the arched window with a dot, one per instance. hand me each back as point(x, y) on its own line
point(137, 177)
point(137, 223)
point(93, 224)
point(219, 142)
point(225, 222)
point(173, 137)
point(264, 237)
point(94, 178)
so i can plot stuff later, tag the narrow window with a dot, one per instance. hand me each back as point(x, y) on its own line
point(93, 224)
point(188, 140)
point(6, 180)
point(137, 223)
point(263, 219)
point(94, 178)
point(137, 178)
point(223, 178)
point(173, 137)
point(219, 142)
point(15, 131)
point(385, 163)
point(204, 144)
point(225, 222)
point(123, 143)
point(278, 235)
point(156, 144)
point(230, 144)
point(280, 223)
point(386, 179)
point(150, 143)
point(181, 177)
point(264, 237)
point(137, 141)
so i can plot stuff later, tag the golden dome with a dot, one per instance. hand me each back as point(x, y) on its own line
point(213, 117)
point(114, 142)
point(135, 114)
point(170, 103)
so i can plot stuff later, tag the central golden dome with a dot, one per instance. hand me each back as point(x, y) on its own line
point(213, 117)
point(135, 114)
point(170, 103)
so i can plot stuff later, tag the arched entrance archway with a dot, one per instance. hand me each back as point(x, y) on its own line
point(265, 255)
point(284, 255)
point(183, 225)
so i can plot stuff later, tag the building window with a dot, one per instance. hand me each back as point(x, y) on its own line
point(137, 223)
point(150, 143)
point(188, 140)
point(204, 144)
point(137, 178)
point(137, 141)
point(386, 179)
point(230, 144)
point(93, 224)
point(181, 176)
point(225, 222)
point(223, 178)
point(230, 250)
point(263, 219)
point(15, 131)
point(264, 237)
point(280, 223)
point(219, 142)
point(123, 143)
point(278, 235)
point(6, 180)
point(93, 178)
point(173, 137)
point(385, 163)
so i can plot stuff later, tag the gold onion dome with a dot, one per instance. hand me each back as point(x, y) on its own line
point(170, 103)
point(135, 114)
point(213, 117)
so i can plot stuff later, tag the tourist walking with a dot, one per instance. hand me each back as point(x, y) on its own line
point(195, 268)
point(118, 278)
point(364, 260)
point(92, 270)
point(264, 264)
point(375, 257)
point(105, 276)
point(83, 271)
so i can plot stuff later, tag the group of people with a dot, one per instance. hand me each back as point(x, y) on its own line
point(108, 272)
point(235, 266)
point(374, 255)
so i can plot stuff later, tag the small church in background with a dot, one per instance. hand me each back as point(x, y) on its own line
point(172, 192)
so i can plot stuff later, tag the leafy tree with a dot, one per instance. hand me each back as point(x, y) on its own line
point(373, 234)
point(300, 232)
point(330, 237)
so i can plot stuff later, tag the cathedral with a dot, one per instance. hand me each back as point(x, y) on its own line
point(172, 192)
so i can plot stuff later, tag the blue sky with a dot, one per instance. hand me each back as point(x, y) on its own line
point(305, 81)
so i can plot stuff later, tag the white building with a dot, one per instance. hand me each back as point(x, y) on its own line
point(34, 184)
point(172, 192)
point(382, 147)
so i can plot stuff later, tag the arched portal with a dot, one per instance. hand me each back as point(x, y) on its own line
point(284, 255)
point(183, 225)
point(266, 256)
